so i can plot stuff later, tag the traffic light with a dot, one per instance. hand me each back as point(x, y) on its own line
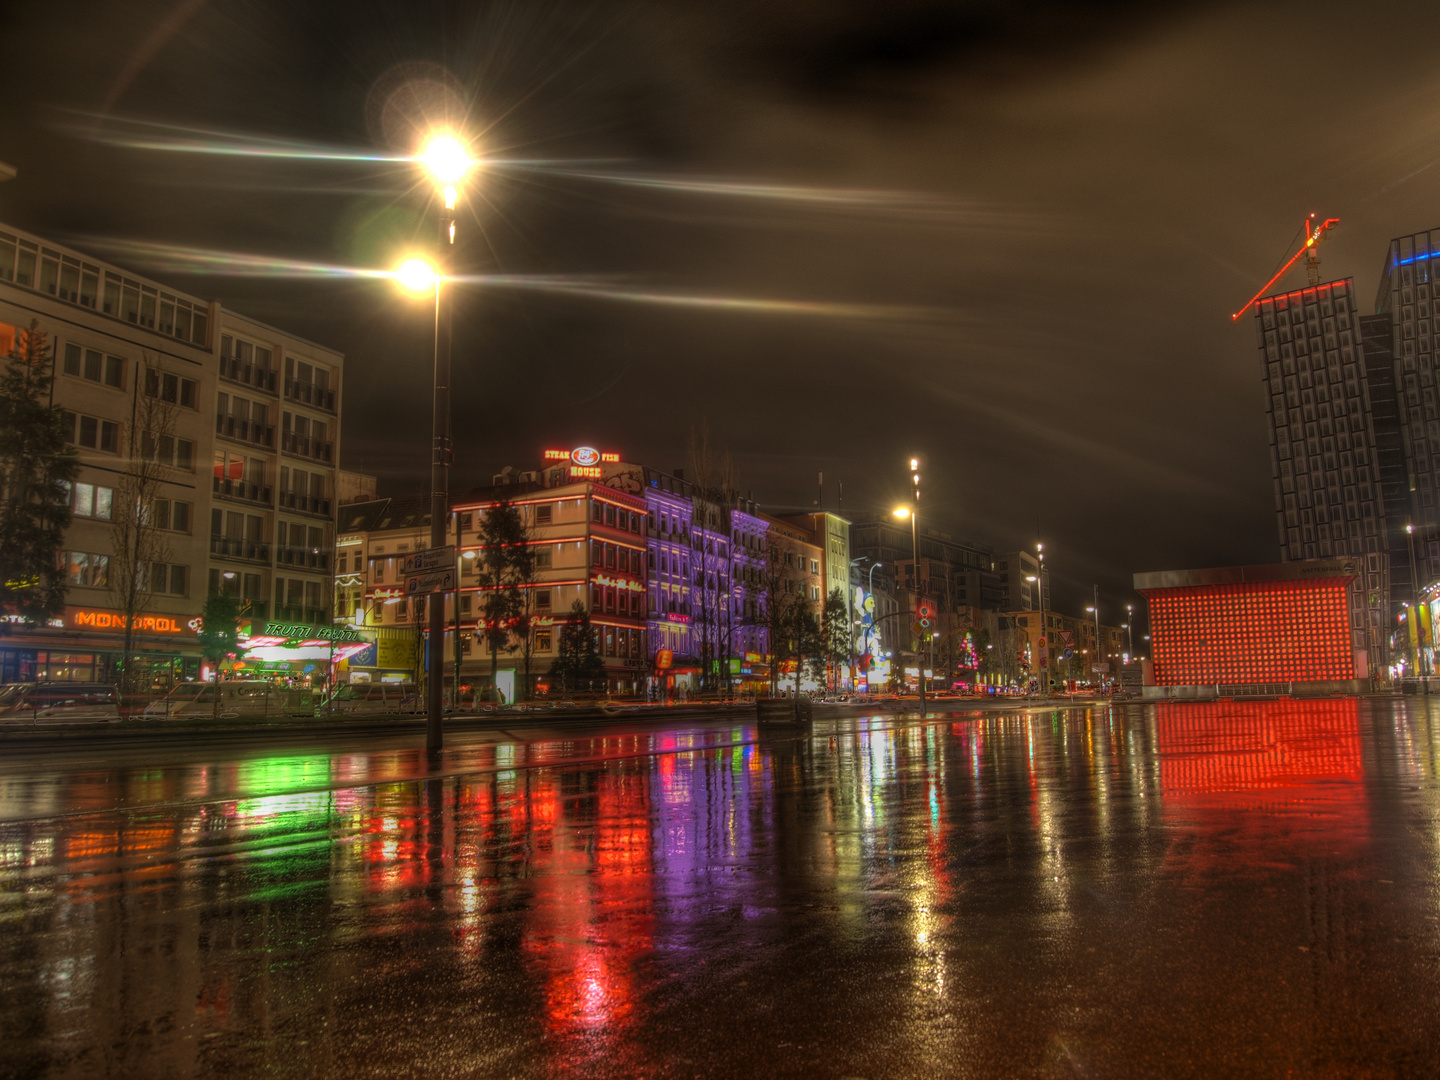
point(925, 615)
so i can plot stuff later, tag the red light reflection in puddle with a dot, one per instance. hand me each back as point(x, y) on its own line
point(1246, 747)
point(593, 903)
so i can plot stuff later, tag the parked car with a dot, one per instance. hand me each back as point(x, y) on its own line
point(58, 703)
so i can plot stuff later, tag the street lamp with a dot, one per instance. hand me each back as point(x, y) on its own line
point(1414, 614)
point(446, 158)
point(911, 512)
point(1096, 611)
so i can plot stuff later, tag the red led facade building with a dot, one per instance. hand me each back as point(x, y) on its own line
point(1290, 624)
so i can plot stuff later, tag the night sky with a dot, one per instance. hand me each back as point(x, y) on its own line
point(1048, 213)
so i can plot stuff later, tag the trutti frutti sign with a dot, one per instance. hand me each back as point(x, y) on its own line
point(145, 623)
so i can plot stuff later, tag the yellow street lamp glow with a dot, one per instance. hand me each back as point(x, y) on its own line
point(446, 159)
point(901, 512)
point(416, 275)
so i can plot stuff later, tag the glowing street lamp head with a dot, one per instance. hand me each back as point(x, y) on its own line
point(901, 512)
point(446, 158)
point(416, 275)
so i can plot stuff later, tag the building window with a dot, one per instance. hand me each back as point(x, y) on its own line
point(167, 578)
point(84, 568)
point(544, 514)
point(93, 365)
point(542, 599)
point(543, 557)
point(91, 501)
point(172, 388)
point(543, 639)
point(93, 432)
point(171, 515)
point(168, 450)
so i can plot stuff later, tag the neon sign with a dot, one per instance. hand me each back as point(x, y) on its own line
point(583, 457)
point(115, 620)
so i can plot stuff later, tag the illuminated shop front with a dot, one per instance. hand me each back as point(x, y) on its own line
point(297, 653)
point(85, 644)
point(1289, 627)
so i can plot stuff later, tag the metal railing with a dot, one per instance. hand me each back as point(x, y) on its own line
point(303, 557)
point(230, 547)
point(309, 504)
point(241, 489)
point(251, 374)
point(310, 394)
point(307, 446)
point(232, 427)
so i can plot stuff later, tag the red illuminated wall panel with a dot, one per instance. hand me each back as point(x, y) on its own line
point(1252, 632)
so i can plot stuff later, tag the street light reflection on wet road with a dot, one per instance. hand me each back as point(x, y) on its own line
point(1181, 890)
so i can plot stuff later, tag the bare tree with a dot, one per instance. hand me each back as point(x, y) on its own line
point(140, 518)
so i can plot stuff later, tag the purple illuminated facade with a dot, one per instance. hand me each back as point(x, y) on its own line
point(705, 587)
point(670, 513)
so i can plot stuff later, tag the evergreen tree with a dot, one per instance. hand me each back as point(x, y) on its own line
point(577, 661)
point(507, 564)
point(37, 467)
point(835, 632)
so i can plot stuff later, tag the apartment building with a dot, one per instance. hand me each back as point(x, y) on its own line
point(140, 368)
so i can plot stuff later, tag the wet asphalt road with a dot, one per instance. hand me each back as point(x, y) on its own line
point(1186, 891)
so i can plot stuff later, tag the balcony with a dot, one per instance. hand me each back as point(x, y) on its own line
point(310, 394)
point(257, 611)
point(245, 431)
point(236, 370)
point(306, 504)
point(242, 490)
point(308, 447)
point(231, 548)
point(307, 558)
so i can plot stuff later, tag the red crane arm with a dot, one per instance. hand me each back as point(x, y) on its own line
point(1311, 239)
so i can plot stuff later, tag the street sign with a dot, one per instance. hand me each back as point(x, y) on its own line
point(1100, 669)
point(438, 581)
point(1042, 643)
point(1067, 636)
point(423, 562)
point(1067, 654)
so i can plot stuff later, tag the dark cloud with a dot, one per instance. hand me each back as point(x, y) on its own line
point(1087, 190)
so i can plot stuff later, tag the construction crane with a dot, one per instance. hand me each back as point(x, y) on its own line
point(1310, 249)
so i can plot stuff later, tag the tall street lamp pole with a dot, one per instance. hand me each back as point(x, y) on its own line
point(447, 161)
point(913, 513)
point(1414, 627)
point(1096, 609)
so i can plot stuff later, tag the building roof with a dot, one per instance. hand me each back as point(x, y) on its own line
point(1300, 570)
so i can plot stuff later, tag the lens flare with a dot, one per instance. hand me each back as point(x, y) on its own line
point(447, 160)
point(416, 275)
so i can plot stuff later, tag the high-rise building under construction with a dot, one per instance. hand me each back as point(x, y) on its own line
point(1323, 448)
